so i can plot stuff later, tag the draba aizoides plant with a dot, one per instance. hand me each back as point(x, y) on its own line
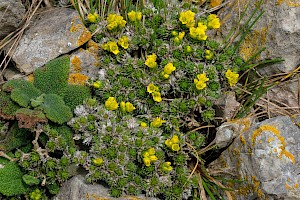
point(161, 73)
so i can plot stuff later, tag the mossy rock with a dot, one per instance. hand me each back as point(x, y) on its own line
point(76, 94)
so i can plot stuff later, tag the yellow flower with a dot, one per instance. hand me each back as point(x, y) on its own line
point(174, 33)
point(114, 21)
point(151, 151)
point(169, 68)
point(168, 143)
point(151, 61)
point(199, 33)
point(166, 166)
point(147, 161)
point(177, 40)
point(152, 88)
point(164, 75)
point(156, 96)
point(213, 21)
point(153, 158)
point(232, 77)
point(93, 17)
point(157, 122)
point(122, 106)
point(188, 49)
point(134, 16)
point(187, 18)
point(98, 161)
point(111, 47)
point(175, 147)
point(181, 35)
point(129, 107)
point(111, 104)
point(209, 54)
point(200, 82)
point(123, 42)
point(143, 124)
point(97, 84)
point(174, 139)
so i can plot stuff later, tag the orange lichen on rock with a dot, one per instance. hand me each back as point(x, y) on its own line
point(253, 43)
point(215, 3)
point(76, 62)
point(84, 36)
point(243, 141)
point(270, 139)
point(78, 79)
point(276, 132)
point(291, 3)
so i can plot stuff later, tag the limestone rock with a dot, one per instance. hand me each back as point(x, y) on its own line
point(84, 62)
point(278, 30)
point(54, 32)
point(11, 14)
point(267, 158)
point(227, 105)
point(77, 189)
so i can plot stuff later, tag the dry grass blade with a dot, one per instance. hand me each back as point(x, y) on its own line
point(202, 190)
point(197, 163)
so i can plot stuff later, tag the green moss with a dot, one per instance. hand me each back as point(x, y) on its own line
point(53, 78)
point(76, 94)
point(8, 108)
point(11, 179)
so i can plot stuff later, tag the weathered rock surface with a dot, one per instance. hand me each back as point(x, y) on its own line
point(267, 158)
point(11, 14)
point(283, 98)
point(84, 62)
point(278, 30)
point(227, 105)
point(77, 189)
point(54, 32)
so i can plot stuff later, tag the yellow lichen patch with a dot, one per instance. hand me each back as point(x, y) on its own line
point(243, 141)
point(256, 184)
point(84, 37)
point(276, 132)
point(76, 62)
point(291, 3)
point(244, 121)
point(253, 43)
point(288, 187)
point(270, 139)
point(30, 78)
point(296, 185)
point(92, 47)
point(215, 3)
point(78, 79)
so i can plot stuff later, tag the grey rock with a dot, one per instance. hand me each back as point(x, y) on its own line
point(266, 157)
point(228, 131)
point(227, 105)
point(278, 30)
point(54, 32)
point(85, 62)
point(283, 98)
point(11, 14)
point(11, 73)
point(77, 189)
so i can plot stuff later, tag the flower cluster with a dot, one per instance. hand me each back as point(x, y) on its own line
point(111, 47)
point(187, 18)
point(168, 69)
point(149, 156)
point(151, 61)
point(173, 143)
point(154, 91)
point(200, 81)
point(93, 17)
point(127, 107)
point(115, 21)
point(232, 77)
point(123, 42)
point(213, 21)
point(199, 33)
point(166, 167)
point(111, 104)
point(134, 16)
